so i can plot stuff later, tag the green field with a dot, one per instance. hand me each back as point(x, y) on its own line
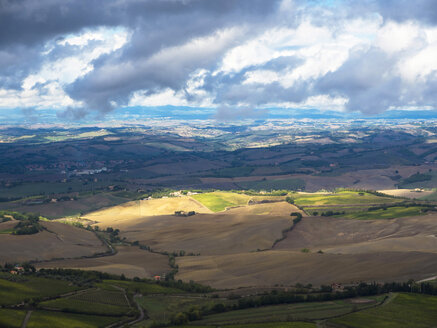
point(347, 209)
point(389, 213)
point(31, 287)
point(341, 198)
point(287, 312)
point(264, 325)
point(115, 297)
point(405, 310)
point(79, 306)
point(140, 287)
point(161, 308)
point(100, 302)
point(279, 184)
point(44, 319)
point(11, 318)
point(218, 201)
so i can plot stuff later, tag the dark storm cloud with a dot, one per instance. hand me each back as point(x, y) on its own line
point(172, 39)
point(159, 54)
point(25, 25)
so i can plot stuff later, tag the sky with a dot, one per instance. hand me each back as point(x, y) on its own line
point(87, 58)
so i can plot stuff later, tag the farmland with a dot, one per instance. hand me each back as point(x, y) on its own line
point(387, 213)
point(97, 302)
point(219, 201)
point(161, 307)
point(117, 215)
point(205, 233)
point(288, 312)
point(404, 310)
point(11, 318)
point(266, 325)
point(286, 267)
point(341, 198)
point(240, 239)
point(14, 292)
point(43, 319)
point(55, 241)
point(131, 261)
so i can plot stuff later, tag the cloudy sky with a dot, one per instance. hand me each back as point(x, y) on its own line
point(79, 57)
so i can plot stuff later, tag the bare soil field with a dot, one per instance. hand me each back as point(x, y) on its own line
point(124, 213)
point(345, 236)
point(130, 261)
point(407, 193)
point(290, 267)
point(351, 251)
point(221, 233)
point(57, 241)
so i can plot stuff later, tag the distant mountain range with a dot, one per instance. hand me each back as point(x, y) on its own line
point(139, 114)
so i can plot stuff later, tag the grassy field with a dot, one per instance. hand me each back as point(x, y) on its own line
point(341, 198)
point(389, 213)
point(405, 310)
point(287, 312)
point(263, 325)
point(84, 307)
point(44, 319)
point(219, 200)
point(11, 318)
point(97, 302)
point(346, 209)
point(141, 287)
point(31, 287)
point(161, 308)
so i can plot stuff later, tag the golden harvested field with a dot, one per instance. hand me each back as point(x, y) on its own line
point(57, 241)
point(220, 233)
point(129, 260)
point(290, 267)
point(116, 215)
point(407, 193)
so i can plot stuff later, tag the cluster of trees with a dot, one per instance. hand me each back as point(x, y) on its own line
point(330, 213)
point(28, 222)
point(426, 207)
point(296, 220)
point(27, 267)
point(113, 234)
point(417, 177)
point(252, 192)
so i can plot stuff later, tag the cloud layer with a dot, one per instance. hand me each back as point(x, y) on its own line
point(241, 56)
